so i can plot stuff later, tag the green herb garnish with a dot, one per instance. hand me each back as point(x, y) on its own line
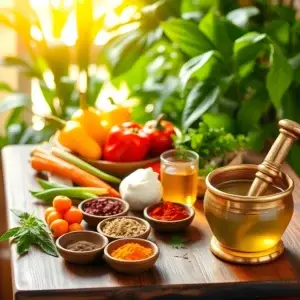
point(212, 144)
point(177, 242)
point(32, 231)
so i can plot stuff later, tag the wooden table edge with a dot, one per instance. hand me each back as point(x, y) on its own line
point(242, 290)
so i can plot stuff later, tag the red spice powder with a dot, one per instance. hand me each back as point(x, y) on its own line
point(169, 211)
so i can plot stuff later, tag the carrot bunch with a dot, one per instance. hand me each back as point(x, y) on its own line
point(43, 161)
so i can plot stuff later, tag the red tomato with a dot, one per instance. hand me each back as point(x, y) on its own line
point(160, 133)
point(126, 143)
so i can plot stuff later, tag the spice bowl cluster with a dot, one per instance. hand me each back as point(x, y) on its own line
point(121, 238)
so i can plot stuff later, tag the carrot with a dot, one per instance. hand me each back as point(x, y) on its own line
point(41, 161)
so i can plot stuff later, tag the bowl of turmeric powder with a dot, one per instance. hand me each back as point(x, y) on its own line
point(131, 255)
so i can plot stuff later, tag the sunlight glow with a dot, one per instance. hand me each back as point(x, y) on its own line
point(127, 14)
point(69, 37)
point(36, 3)
point(58, 3)
point(49, 79)
point(111, 19)
point(102, 38)
point(69, 34)
point(36, 33)
point(39, 107)
point(38, 123)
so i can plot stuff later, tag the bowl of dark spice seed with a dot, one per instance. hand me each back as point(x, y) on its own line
point(81, 247)
point(97, 209)
point(124, 227)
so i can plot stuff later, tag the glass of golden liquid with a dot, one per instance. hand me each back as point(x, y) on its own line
point(179, 174)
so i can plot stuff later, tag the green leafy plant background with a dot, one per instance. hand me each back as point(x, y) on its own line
point(234, 64)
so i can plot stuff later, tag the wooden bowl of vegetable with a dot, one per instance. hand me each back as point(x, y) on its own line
point(81, 247)
point(115, 255)
point(122, 169)
point(95, 210)
point(116, 228)
point(165, 225)
point(119, 169)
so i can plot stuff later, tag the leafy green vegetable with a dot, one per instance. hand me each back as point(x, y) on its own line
point(247, 47)
point(279, 77)
point(32, 231)
point(187, 36)
point(202, 97)
point(212, 144)
point(213, 26)
point(200, 66)
point(241, 16)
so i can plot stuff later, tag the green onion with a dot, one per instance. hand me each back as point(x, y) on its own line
point(84, 165)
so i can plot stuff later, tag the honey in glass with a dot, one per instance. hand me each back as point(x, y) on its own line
point(179, 173)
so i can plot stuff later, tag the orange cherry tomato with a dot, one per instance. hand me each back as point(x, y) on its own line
point(62, 203)
point(48, 211)
point(55, 215)
point(59, 227)
point(75, 227)
point(73, 215)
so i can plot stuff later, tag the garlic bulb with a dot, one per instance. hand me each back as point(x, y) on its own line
point(141, 189)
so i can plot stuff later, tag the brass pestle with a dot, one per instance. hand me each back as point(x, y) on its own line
point(271, 166)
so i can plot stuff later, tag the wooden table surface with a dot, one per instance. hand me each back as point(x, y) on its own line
point(40, 276)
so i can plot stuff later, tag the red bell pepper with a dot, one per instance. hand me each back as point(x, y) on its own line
point(160, 133)
point(126, 143)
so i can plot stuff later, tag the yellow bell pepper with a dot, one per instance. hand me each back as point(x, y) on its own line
point(91, 120)
point(74, 137)
point(117, 115)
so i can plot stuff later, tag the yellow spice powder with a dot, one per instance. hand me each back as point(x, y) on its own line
point(132, 251)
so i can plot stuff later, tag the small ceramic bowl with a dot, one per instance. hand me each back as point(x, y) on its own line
point(169, 226)
point(130, 266)
point(143, 235)
point(84, 257)
point(94, 220)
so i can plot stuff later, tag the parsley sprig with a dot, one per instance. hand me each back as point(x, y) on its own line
point(32, 231)
point(212, 144)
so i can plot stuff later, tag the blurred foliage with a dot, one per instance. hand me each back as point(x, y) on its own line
point(237, 64)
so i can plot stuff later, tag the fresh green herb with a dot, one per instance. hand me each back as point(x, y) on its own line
point(32, 231)
point(212, 144)
point(177, 242)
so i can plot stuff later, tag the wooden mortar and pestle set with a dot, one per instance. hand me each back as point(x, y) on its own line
point(248, 207)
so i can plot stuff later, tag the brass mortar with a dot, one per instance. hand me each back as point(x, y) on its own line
point(247, 229)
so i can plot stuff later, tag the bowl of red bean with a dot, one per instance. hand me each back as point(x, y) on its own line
point(96, 210)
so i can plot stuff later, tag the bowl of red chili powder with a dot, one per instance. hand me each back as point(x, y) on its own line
point(169, 216)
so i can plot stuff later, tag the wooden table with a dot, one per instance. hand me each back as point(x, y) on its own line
point(40, 276)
